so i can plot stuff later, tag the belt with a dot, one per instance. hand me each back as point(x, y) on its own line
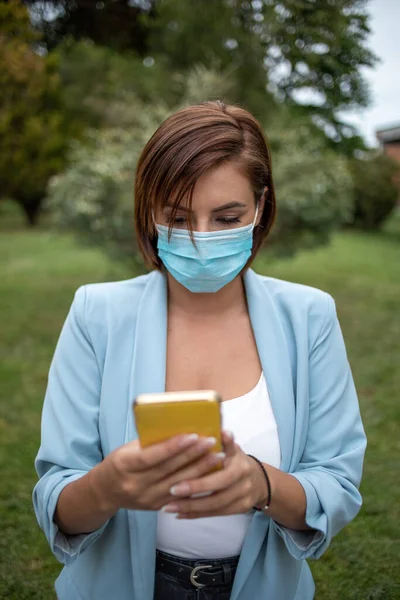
point(200, 573)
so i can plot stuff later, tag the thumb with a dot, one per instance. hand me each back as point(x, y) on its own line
point(228, 442)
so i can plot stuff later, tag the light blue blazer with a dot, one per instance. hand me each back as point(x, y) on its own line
point(113, 347)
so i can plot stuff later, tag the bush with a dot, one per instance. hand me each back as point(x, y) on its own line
point(374, 189)
point(313, 188)
point(94, 195)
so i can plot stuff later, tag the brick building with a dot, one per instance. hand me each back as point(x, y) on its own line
point(389, 139)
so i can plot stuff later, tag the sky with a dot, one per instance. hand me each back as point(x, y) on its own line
point(384, 79)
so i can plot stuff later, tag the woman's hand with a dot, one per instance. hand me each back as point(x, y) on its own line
point(236, 488)
point(140, 479)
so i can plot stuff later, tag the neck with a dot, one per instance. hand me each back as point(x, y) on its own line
point(230, 299)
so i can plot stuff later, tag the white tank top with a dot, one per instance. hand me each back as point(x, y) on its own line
point(253, 424)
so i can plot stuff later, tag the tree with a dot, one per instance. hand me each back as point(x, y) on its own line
point(374, 189)
point(304, 53)
point(33, 129)
point(96, 80)
point(112, 23)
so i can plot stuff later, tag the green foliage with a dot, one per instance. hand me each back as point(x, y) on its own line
point(33, 130)
point(102, 87)
point(374, 188)
point(304, 53)
point(112, 23)
point(307, 53)
point(94, 195)
point(99, 83)
point(313, 188)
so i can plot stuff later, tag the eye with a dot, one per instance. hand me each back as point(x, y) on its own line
point(228, 220)
point(176, 221)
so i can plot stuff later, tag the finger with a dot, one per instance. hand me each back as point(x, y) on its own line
point(164, 451)
point(157, 488)
point(195, 470)
point(186, 457)
point(156, 454)
point(214, 482)
point(215, 502)
point(161, 492)
point(145, 458)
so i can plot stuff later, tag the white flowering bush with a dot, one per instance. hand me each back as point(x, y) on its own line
point(313, 190)
point(94, 196)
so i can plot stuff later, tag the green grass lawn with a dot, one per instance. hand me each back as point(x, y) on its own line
point(40, 271)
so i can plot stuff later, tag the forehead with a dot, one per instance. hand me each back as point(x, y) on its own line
point(220, 185)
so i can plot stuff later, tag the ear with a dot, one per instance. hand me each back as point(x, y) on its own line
point(261, 205)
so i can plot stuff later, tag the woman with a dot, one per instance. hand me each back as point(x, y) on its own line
point(126, 521)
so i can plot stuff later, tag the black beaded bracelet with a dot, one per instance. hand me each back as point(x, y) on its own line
point(267, 479)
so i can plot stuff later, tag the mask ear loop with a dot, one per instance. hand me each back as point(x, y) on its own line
point(257, 208)
point(255, 216)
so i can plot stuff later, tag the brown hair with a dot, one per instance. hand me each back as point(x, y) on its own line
point(186, 145)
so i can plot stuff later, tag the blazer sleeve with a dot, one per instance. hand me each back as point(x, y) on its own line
point(70, 442)
point(330, 469)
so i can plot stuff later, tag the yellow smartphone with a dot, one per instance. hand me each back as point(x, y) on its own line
point(163, 415)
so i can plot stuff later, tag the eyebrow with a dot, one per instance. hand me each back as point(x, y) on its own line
point(227, 206)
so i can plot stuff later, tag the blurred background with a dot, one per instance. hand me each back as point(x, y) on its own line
point(83, 86)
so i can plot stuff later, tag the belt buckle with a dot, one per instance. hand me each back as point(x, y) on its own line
point(193, 575)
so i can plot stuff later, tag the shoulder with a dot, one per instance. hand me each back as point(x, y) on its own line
point(103, 304)
point(110, 293)
point(301, 305)
point(296, 296)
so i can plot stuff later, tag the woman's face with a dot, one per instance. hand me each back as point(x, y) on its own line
point(222, 199)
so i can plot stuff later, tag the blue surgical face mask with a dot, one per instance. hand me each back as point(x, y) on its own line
point(211, 262)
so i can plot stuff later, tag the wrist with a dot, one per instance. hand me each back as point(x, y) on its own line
point(273, 476)
point(263, 485)
point(262, 496)
point(101, 490)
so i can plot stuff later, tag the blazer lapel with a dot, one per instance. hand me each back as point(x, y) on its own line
point(275, 360)
point(150, 346)
point(147, 375)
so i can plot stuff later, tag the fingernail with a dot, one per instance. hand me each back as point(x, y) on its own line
point(169, 508)
point(179, 489)
point(188, 440)
point(220, 455)
point(210, 442)
point(229, 434)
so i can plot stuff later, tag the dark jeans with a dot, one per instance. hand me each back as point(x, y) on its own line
point(169, 588)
